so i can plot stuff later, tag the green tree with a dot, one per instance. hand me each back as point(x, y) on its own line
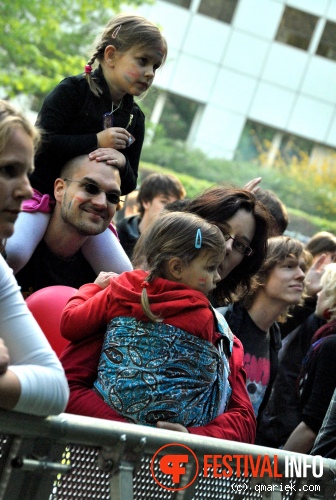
point(42, 41)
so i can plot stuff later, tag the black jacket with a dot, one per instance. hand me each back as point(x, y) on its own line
point(71, 116)
point(128, 232)
point(282, 413)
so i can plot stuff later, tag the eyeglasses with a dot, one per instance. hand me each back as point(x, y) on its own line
point(94, 190)
point(238, 245)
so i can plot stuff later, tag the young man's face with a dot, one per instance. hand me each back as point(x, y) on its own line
point(285, 282)
point(89, 214)
point(154, 207)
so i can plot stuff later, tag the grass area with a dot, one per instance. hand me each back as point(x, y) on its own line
point(300, 223)
point(192, 185)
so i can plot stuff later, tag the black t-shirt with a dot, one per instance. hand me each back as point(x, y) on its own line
point(47, 269)
point(256, 343)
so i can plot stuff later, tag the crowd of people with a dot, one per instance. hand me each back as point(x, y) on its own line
point(195, 315)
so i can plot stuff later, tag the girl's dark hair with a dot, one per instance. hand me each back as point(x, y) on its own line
point(174, 234)
point(218, 205)
point(124, 32)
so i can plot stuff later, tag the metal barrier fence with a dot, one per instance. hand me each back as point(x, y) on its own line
point(71, 457)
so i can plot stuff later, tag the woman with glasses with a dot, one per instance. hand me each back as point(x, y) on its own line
point(276, 287)
point(244, 223)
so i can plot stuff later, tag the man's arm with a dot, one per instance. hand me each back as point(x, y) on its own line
point(301, 440)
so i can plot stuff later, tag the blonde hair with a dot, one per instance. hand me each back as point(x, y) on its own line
point(328, 283)
point(124, 32)
point(174, 234)
point(11, 118)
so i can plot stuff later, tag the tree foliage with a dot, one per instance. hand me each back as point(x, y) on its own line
point(42, 41)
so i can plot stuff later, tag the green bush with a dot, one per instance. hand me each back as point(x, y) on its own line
point(311, 208)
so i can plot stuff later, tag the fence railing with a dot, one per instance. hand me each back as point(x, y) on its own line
point(71, 457)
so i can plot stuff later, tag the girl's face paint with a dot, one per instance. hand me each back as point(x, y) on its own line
point(202, 282)
point(132, 75)
point(132, 72)
point(202, 272)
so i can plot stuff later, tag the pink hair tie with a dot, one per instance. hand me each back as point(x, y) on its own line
point(87, 68)
point(145, 284)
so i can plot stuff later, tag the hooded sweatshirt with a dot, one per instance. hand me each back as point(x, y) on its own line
point(87, 314)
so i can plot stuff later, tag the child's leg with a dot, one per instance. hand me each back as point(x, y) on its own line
point(29, 229)
point(105, 253)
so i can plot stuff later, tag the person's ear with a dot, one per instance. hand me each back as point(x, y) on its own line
point(59, 186)
point(110, 55)
point(175, 267)
point(146, 205)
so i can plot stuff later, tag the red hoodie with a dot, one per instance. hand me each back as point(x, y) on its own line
point(85, 318)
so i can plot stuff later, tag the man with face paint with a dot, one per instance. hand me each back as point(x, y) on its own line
point(86, 197)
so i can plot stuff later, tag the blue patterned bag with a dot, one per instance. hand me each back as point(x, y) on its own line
point(153, 371)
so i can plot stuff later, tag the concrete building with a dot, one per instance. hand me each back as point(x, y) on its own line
point(242, 65)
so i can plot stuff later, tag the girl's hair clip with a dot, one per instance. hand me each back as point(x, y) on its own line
point(116, 31)
point(144, 284)
point(198, 239)
point(88, 68)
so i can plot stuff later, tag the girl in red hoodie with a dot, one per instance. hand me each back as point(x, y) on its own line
point(166, 355)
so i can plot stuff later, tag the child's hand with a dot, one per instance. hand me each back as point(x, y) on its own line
point(103, 279)
point(4, 357)
point(171, 427)
point(114, 137)
point(110, 156)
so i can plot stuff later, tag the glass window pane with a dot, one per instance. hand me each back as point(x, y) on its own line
point(177, 116)
point(296, 28)
point(221, 10)
point(327, 46)
point(256, 141)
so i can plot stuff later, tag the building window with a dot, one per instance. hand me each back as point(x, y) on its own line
point(181, 3)
point(327, 46)
point(269, 146)
point(296, 28)
point(223, 11)
point(177, 116)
